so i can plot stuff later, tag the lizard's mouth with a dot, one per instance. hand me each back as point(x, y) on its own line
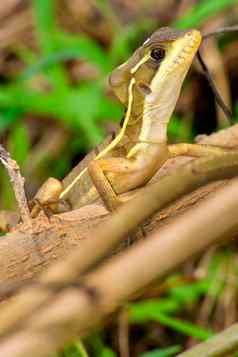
point(183, 50)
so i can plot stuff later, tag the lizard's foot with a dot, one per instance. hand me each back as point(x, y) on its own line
point(38, 207)
point(103, 186)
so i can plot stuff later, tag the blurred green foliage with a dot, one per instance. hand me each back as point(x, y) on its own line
point(163, 352)
point(84, 105)
point(203, 11)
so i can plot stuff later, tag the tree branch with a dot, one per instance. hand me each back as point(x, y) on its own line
point(41, 314)
point(25, 254)
point(17, 181)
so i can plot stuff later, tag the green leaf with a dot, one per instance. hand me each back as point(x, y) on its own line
point(9, 116)
point(78, 108)
point(158, 310)
point(120, 49)
point(165, 352)
point(184, 327)
point(7, 197)
point(44, 11)
point(46, 28)
point(144, 311)
point(190, 293)
point(98, 347)
point(58, 57)
point(81, 349)
point(75, 349)
point(85, 48)
point(180, 130)
point(110, 110)
point(202, 11)
point(129, 37)
point(107, 352)
point(19, 144)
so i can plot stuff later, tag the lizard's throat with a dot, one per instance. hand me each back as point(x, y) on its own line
point(159, 106)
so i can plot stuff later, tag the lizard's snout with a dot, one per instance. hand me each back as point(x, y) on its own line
point(194, 35)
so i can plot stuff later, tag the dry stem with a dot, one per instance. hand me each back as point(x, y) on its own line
point(17, 183)
point(57, 317)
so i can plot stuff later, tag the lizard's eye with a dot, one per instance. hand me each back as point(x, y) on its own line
point(158, 54)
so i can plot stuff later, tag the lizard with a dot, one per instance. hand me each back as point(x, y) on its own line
point(148, 84)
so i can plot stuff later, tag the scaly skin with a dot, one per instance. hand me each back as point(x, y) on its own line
point(149, 87)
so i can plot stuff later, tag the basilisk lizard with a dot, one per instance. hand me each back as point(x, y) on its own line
point(148, 84)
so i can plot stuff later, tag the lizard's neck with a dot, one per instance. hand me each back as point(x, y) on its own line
point(158, 108)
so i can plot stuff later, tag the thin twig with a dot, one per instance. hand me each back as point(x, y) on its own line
point(17, 184)
point(218, 98)
point(123, 333)
point(217, 95)
point(220, 31)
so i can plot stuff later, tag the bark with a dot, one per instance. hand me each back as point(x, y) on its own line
point(57, 316)
point(24, 253)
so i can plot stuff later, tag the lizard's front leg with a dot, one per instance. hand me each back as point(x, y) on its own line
point(105, 172)
point(102, 184)
point(112, 176)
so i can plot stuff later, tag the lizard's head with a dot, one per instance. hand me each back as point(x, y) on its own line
point(159, 65)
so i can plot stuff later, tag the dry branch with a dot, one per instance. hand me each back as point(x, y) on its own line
point(17, 182)
point(40, 314)
point(25, 254)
